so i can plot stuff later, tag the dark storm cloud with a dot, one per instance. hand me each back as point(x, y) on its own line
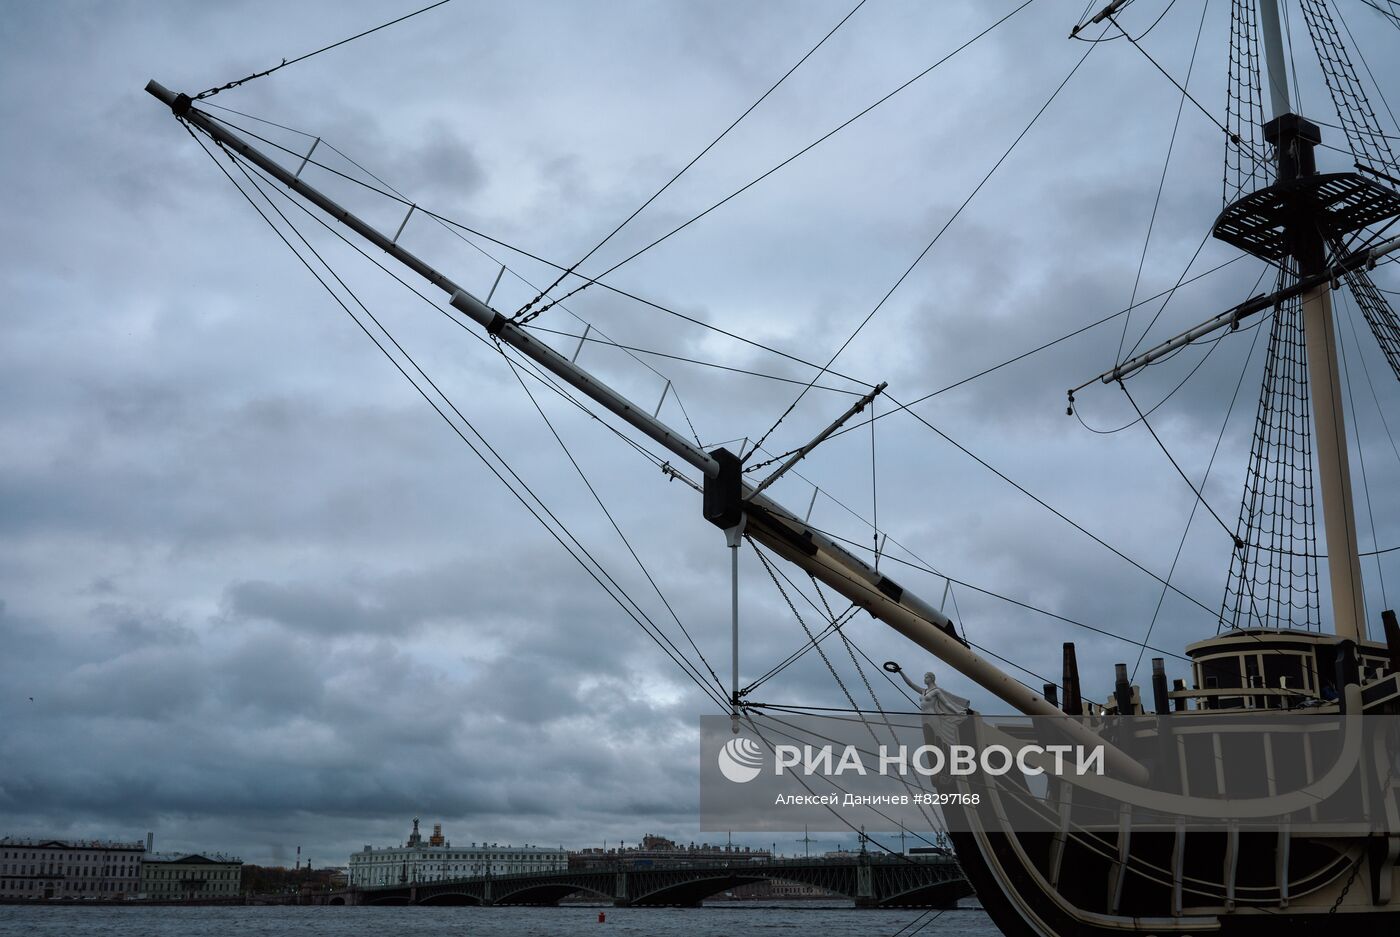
point(262, 597)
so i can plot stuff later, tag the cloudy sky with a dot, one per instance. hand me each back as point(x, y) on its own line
point(261, 595)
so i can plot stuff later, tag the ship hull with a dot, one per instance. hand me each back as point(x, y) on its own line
point(1078, 876)
point(1021, 903)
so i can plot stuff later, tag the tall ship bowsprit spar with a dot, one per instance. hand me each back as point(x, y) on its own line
point(1279, 659)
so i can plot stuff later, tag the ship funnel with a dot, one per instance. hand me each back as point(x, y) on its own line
point(1123, 690)
point(1392, 638)
point(1346, 669)
point(1074, 704)
point(1159, 686)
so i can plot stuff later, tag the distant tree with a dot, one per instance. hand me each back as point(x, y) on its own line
point(277, 879)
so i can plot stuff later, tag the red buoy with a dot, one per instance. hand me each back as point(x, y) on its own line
point(602, 917)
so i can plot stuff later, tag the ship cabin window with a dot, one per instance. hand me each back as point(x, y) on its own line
point(1285, 670)
point(1287, 674)
point(1326, 672)
point(1373, 668)
point(1219, 673)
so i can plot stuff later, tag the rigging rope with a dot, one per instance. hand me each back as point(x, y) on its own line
point(462, 226)
point(860, 671)
point(1058, 513)
point(589, 281)
point(1365, 480)
point(210, 92)
point(831, 628)
point(1182, 281)
point(453, 228)
point(1369, 74)
point(545, 378)
point(1361, 456)
point(1162, 180)
point(1076, 408)
point(923, 567)
point(806, 736)
point(525, 309)
point(1377, 311)
point(613, 521)
point(548, 381)
point(1245, 171)
point(1368, 144)
point(1171, 294)
point(686, 360)
point(1366, 370)
point(1179, 86)
point(832, 667)
point(1277, 566)
point(617, 596)
point(1142, 418)
point(1392, 15)
point(1205, 477)
point(929, 246)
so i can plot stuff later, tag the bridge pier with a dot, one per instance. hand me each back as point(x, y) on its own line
point(620, 899)
point(865, 888)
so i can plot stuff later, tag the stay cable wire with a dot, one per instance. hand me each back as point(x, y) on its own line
point(385, 351)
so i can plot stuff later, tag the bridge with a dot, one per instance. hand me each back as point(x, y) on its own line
point(871, 881)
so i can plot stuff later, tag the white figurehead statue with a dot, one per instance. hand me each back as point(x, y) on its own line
point(948, 709)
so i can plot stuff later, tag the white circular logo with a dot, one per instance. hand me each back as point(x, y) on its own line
point(740, 759)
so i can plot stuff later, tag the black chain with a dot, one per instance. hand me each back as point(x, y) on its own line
point(1356, 867)
point(521, 317)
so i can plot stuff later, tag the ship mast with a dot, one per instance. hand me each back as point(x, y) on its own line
point(1294, 138)
point(1291, 223)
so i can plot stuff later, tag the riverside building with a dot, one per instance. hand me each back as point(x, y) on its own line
point(186, 875)
point(659, 852)
point(436, 859)
point(69, 868)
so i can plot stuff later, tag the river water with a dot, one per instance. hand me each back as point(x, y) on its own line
point(721, 920)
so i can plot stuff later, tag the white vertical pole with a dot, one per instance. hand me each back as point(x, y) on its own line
point(664, 391)
point(1273, 57)
point(402, 224)
point(497, 282)
point(307, 158)
point(581, 339)
point(735, 536)
point(1334, 470)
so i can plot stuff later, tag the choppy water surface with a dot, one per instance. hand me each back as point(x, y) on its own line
point(711, 921)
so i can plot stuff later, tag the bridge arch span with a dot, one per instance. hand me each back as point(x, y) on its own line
point(546, 893)
point(931, 895)
point(450, 898)
point(691, 892)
